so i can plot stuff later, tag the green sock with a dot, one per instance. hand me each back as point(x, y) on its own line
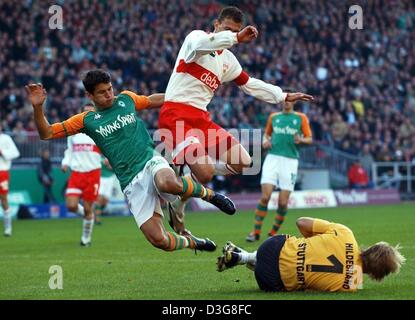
point(177, 242)
point(260, 214)
point(279, 220)
point(193, 189)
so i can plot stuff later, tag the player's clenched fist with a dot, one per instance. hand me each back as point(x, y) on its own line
point(247, 34)
point(36, 94)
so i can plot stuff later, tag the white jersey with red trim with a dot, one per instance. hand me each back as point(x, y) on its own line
point(82, 154)
point(8, 152)
point(204, 63)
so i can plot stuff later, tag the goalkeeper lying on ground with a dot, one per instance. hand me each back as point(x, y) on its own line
point(328, 258)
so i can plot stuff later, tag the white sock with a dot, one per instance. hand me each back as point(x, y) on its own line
point(81, 210)
point(7, 221)
point(87, 227)
point(247, 257)
point(223, 169)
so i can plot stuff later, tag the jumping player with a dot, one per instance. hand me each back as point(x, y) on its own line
point(203, 63)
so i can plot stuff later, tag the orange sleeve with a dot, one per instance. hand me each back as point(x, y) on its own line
point(268, 127)
point(305, 125)
point(141, 102)
point(68, 127)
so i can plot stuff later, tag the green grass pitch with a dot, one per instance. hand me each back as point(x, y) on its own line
point(121, 264)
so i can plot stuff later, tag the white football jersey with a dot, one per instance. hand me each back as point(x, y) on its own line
point(203, 63)
point(8, 152)
point(82, 154)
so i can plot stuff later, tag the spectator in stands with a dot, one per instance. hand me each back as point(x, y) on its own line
point(368, 73)
point(358, 178)
point(339, 129)
point(366, 158)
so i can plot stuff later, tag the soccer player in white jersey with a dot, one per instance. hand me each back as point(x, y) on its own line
point(203, 63)
point(83, 157)
point(8, 152)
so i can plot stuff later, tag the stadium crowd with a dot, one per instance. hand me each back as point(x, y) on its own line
point(363, 80)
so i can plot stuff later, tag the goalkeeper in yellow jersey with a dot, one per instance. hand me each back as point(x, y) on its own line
point(328, 258)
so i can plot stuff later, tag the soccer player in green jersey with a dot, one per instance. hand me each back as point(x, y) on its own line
point(283, 133)
point(143, 173)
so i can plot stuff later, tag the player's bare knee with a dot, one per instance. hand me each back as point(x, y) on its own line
point(265, 199)
point(248, 162)
point(89, 215)
point(72, 207)
point(245, 162)
point(205, 177)
point(240, 167)
point(4, 203)
point(169, 185)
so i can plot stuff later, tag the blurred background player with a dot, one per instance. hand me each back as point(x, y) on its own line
point(84, 159)
point(284, 132)
point(44, 173)
point(8, 152)
point(123, 139)
point(328, 258)
point(203, 63)
point(106, 188)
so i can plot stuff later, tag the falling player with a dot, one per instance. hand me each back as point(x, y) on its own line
point(123, 139)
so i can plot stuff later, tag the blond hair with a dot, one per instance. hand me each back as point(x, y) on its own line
point(381, 259)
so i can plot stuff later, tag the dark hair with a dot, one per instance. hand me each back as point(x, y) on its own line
point(95, 77)
point(232, 13)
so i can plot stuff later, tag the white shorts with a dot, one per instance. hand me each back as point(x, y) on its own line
point(106, 186)
point(142, 194)
point(280, 171)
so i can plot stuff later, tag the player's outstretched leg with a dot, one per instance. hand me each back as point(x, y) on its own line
point(193, 189)
point(156, 234)
point(186, 187)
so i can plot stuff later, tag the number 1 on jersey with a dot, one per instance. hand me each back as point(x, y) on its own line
point(336, 267)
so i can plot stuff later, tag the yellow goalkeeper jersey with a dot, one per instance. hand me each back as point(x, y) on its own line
point(327, 261)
